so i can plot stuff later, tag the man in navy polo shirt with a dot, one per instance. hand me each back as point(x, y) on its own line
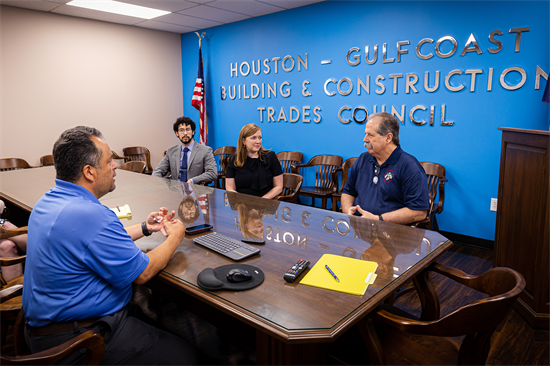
point(81, 262)
point(386, 183)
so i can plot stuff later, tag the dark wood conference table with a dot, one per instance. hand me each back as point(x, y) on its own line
point(294, 323)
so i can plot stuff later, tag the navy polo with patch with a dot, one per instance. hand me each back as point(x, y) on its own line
point(401, 182)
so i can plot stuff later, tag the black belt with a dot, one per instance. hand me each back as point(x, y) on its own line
point(61, 327)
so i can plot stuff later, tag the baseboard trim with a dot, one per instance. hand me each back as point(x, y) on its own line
point(469, 240)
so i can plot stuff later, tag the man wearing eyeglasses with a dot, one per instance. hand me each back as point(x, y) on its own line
point(386, 183)
point(189, 161)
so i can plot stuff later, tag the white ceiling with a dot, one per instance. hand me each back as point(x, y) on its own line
point(186, 16)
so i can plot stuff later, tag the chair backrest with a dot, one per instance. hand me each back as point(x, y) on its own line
point(291, 187)
point(46, 160)
point(325, 167)
point(138, 153)
point(221, 154)
point(346, 166)
point(13, 164)
point(134, 166)
point(288, 158)
point(436, 180)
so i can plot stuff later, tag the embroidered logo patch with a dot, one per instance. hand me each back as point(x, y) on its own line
point(388, 177)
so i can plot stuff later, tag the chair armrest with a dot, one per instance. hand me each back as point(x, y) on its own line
point(295, 168)
point(453, 273)
point(11, 292)
point(335, 175)
point(8, 233)
point(10, 261)
point(94, 342)
point(116, 156)
point(422, 224)
point(441, 195)
point(286, 198)
point(389, 315)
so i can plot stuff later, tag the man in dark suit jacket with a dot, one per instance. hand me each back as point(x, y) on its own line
point(201, 165)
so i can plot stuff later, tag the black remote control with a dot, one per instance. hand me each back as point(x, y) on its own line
point(253, 240)
point(294, 272)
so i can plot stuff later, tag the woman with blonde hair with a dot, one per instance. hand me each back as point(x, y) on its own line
point(252, 169)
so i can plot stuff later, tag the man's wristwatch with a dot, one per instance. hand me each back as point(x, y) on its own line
point(380, 218)
point(144, 229)
point(2, 221)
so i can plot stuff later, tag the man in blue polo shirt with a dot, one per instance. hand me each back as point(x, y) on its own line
point(81, 262)
point(386, 183)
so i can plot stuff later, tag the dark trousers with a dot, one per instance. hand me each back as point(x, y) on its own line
point(129, 341)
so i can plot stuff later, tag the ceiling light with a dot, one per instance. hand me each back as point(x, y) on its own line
point(119, 8)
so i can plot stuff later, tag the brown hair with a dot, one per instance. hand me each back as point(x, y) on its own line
point(247, 131)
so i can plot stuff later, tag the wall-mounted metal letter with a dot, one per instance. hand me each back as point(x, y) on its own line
point(330, 94)
point(357, 58)
point(411, 115)
point(421, 56)
point(350, 86)
point(518, 85)
point(344, 121)
point(448, 79)
point(438, 44)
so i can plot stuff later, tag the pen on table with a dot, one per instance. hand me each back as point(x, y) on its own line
point(332, 273)
point(118, 208)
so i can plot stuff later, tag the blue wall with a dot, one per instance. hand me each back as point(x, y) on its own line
point(469, 148)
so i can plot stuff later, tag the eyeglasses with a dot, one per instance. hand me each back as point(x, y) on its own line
point(375, 178)
point(184, 130)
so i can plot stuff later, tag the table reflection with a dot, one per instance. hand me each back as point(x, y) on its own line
point(384, 246)
point(251, 213)
point(195, 202)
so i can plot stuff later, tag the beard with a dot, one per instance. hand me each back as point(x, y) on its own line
point(186, 139)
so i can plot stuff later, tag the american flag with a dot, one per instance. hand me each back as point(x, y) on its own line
point(198, 100)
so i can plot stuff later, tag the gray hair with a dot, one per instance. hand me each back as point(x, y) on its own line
point(73, 150)
point(389, 124)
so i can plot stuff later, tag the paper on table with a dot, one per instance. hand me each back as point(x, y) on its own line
point(355, 275)
point(123, 212)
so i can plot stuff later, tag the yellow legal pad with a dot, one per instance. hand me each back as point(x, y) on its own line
point(355, 275)
point(123, 212)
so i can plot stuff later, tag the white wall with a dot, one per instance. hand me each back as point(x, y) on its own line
point(59, 72)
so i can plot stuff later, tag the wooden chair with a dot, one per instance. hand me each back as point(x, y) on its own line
point(222, 154)
point(325, 185)
point(138, 153)
point(134, 166)
point(10, 305)
point(13, 164)
point(291, 187)
point(436, 180)
point(395, 337)
point(46, 160)
point(336, 197)
point(289, 158)
point(17, 354)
